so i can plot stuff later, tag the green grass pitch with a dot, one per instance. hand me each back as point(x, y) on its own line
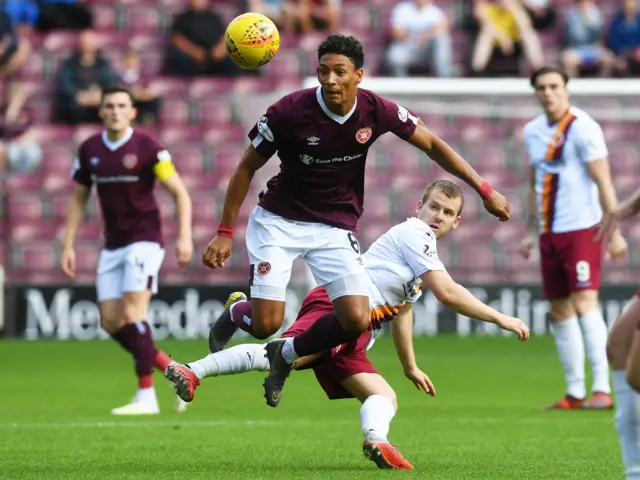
point(485, 423)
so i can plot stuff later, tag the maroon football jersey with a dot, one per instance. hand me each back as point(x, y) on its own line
point(124, 177)
point(323, 155)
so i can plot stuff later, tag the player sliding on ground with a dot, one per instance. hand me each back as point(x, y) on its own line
point(397, 265)
point(623, 352)
point(124, 164)
point(311, 208)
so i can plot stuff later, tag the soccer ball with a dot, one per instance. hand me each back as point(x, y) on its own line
point(252, 40)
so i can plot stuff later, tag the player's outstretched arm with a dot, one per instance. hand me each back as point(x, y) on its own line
point(449, 160)
point(176, 188)
point(402, 333)
point(526, 246)
point(459, 299)
point(219, 249)
point(74, 218)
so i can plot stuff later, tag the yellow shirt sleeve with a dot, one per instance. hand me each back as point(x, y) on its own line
point(165, 168)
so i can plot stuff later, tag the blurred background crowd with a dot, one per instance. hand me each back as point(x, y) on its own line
point(57, 55)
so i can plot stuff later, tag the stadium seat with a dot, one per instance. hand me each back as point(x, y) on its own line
point(205, 209)
point(104, 17)
point(224, 135)
point(24, 229)
point(214, 111)
point(356, 18)
point(377, 207)
point(624, 159)
point(202, 88)
point(169, 87)
point(188, 158)
point(142, 18)
point(20, 183)
point(180, 134)
point(87, 254)
point(35, 256)
point(174, 111)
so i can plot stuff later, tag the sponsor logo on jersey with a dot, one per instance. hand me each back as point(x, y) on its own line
point(403, 113)
point(363, 135)
point(313, 141)
point(94, 161)
point(130, 160)
point(308, 159)
point(263, 268)
point(558, 139)
point(264, 129)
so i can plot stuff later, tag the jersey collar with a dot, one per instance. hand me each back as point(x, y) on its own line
point(113, 146)
point(336, 118)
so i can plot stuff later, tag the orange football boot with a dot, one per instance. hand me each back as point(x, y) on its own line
point(184, 380)
point(567, 403)
point(599, 401)
point(385, 456)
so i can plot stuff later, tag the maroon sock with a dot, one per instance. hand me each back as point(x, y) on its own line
point(146, 350)
point(126, 337)
point(240, 310)
point(323, 335)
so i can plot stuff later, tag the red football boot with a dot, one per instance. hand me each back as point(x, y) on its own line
point(184, 380)
point(567, 403)
point(599, 401)
point(385, 455)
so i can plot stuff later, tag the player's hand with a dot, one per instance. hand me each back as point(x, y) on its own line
point(617, 247)
point(68, 262)
point(515, 325)
point(218, 250)
point(421, 380)
point(184, 250)
point(526, 247)
point(609, 223)
point(498, 206)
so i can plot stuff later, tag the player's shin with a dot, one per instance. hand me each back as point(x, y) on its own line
point(376, 414)
point(594, 331)
point(571, 353)
point(325, 334)
point(239, 359)
point(627, 419)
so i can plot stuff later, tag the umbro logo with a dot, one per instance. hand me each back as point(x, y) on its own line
point(313, 141)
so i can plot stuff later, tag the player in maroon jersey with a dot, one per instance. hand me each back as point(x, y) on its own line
point(623, 352)
point(124, 165)
point(311, 208)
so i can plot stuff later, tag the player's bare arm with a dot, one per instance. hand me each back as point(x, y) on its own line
point(74, 218)
point(600, 173)
point(459, 299)
point(449, 160)
point(628, 208)
point(219, 249)
point(526, 246)
point(184, 245)
point(402, 333)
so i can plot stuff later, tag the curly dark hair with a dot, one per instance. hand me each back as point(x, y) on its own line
point(341, 44)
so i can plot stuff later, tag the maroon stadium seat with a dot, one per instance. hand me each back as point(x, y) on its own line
point(169, 87)
point(624, 159)
point(87, 254)
point(377, 207)
point(214, 111)
point(20, 183)
point(202, 88)
point(140, 18)
point(104, 17)
point(223, 135)
point(370, 232)
point(36, 255)
point(205, 208)
point(57, 160)
point(174, 111)
point(180, 134)
point(188, 158)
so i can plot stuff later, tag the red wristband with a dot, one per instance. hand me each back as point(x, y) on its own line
point(485, 190)
point(225, 231)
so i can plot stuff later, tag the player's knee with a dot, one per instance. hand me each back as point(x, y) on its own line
point(355, 322)
point(111, 324)
point(264, 330)
point(394, 399)
point(633, 377)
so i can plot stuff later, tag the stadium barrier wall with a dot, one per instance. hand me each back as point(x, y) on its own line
point(66, 312)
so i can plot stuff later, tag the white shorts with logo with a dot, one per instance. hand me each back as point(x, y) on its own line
point(332, 254)
point(133, 268)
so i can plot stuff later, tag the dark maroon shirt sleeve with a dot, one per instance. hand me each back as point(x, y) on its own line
point(397, 119)
point(79, 171)
point(268, 134)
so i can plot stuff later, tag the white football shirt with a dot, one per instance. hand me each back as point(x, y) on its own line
point(567, 197)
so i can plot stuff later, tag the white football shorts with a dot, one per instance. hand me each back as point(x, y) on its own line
point(133, 268)
point(332, 254)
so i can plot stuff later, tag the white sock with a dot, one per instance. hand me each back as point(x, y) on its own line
point(238, 359)
point(594, 332)
point(376, 414)
point(147, 396)
point(289, 352)
point(571, 353)
point(627, 420)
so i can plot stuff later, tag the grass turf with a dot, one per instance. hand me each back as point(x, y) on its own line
point(485, 423)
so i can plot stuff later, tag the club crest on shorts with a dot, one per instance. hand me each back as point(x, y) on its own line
point(130, 160)
point(363, 135)
point(263, 268)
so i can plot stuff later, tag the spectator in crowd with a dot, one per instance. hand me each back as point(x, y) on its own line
point(147, 103)
point(80, 81)
point(505, 30)
point(197, 44)
point(300, 16)
point(582, 38)
point(14, 50)
point(19, 147)
point(624, 38)
point(540, 12)
point(24, 14)
point(420, 32)
point(64, 14)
